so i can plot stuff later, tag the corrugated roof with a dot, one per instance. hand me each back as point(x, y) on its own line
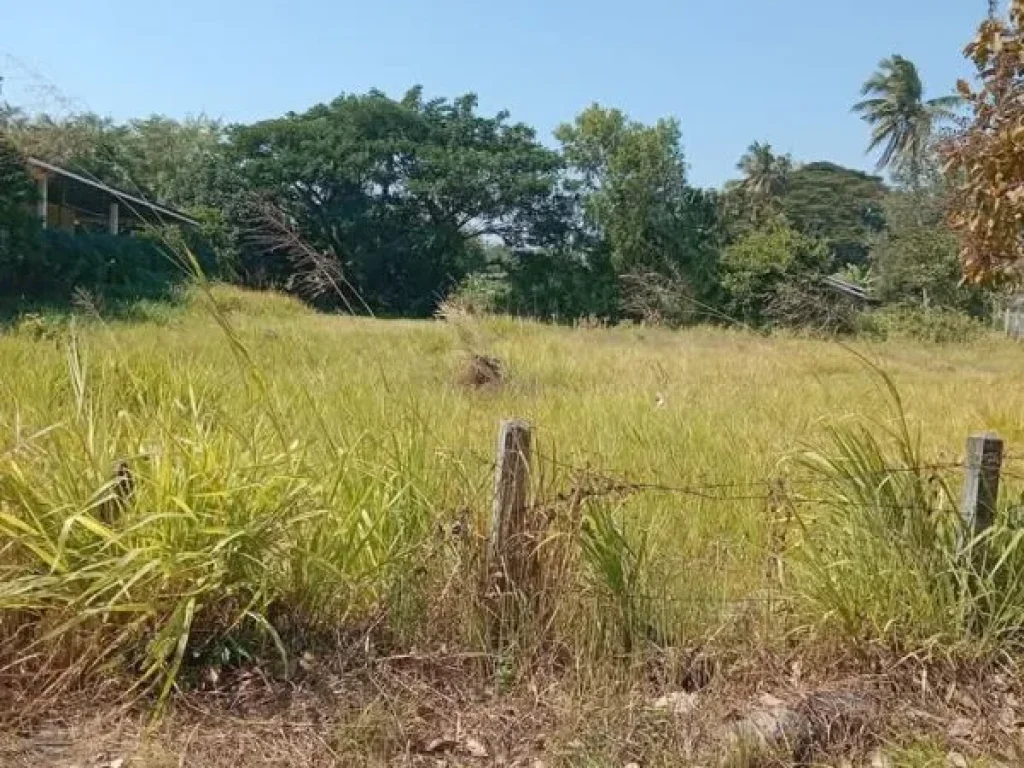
point(850, 289)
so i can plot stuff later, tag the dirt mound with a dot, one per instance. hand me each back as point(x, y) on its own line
point(481, 372)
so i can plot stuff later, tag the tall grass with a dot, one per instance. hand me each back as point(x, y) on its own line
point(887, 558)
point(295, 476)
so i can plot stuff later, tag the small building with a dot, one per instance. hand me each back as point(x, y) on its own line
point(75, 203)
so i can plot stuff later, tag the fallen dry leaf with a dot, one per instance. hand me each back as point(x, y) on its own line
point(474, 748)
point(961, 728)
point(442, 744)
point(678, 702)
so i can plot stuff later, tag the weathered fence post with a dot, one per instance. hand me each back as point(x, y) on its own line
point(981, 482)
point(122, 491)
point(509, 549)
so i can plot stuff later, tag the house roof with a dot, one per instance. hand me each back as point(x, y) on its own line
point(850, 289)
point(116, 193)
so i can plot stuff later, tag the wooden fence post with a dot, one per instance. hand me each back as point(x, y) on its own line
point(509, 549)
point(981, 482)
point(122, 491)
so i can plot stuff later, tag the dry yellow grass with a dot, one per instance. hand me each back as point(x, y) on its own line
point(291, 471)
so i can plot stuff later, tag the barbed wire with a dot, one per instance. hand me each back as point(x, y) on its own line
point(780, 490)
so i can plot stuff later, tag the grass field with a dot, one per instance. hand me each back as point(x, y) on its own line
point(296, 477)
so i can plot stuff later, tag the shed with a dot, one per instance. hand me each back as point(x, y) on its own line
point(73, 202)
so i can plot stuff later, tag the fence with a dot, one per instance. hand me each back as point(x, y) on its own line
point(512, 545)
point(511, 552)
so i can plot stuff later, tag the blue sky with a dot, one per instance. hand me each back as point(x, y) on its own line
point(782, 71)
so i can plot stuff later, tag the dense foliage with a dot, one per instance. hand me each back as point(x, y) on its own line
point(840, 206)
point(397, 195)
point(987, 159)
point(18, 226)
point(374, 204)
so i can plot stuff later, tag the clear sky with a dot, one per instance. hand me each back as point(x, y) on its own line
point(782, 71)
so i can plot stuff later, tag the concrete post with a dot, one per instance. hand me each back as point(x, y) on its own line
point(43, 202)
point(114, 218)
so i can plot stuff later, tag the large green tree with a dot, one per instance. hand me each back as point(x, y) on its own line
point(396, 194)
point(902, 121)
point(840, 206)
point(638, 206)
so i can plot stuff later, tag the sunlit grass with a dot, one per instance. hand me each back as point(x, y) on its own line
point(298, 473)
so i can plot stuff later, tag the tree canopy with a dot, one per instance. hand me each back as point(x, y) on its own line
point(396, 192)
point(837, 205)
point(902, 121)
point(389, 205)
point(986, 161)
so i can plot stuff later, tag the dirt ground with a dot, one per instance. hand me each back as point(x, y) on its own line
point(441, 710)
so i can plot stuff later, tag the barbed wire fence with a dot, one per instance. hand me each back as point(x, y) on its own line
point(977, 476)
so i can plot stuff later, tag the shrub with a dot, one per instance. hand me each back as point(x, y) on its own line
point(548, 285)
point(759, 264)
point(147, 265)
point(658, 299)
point(936, 325)
point(481, 293)
point(804, 302)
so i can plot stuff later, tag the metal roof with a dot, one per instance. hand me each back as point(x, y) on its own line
point(117, 193)
point(850, 289)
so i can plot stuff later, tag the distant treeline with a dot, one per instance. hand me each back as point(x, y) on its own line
point(392, 206)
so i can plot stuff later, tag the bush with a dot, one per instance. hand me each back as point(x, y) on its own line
point(114, 267)
point(548, 285)
point(481, 293)
point(761, 263)
point(806, 303)
point(936, 325)
point(658, 299)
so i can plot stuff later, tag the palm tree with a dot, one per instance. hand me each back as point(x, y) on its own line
point(765, 173)
point(902, 120)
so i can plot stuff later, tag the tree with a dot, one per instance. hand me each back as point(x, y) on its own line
point(916, 259)
point(173, 161)
point(756, 268)
point(754, 200)
point(765, 174)
point(162, 159)
point(637, 205)
point(985, 162)
point(902, 121)
point(394, 193)
point(85, 143)
point(840, 206)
